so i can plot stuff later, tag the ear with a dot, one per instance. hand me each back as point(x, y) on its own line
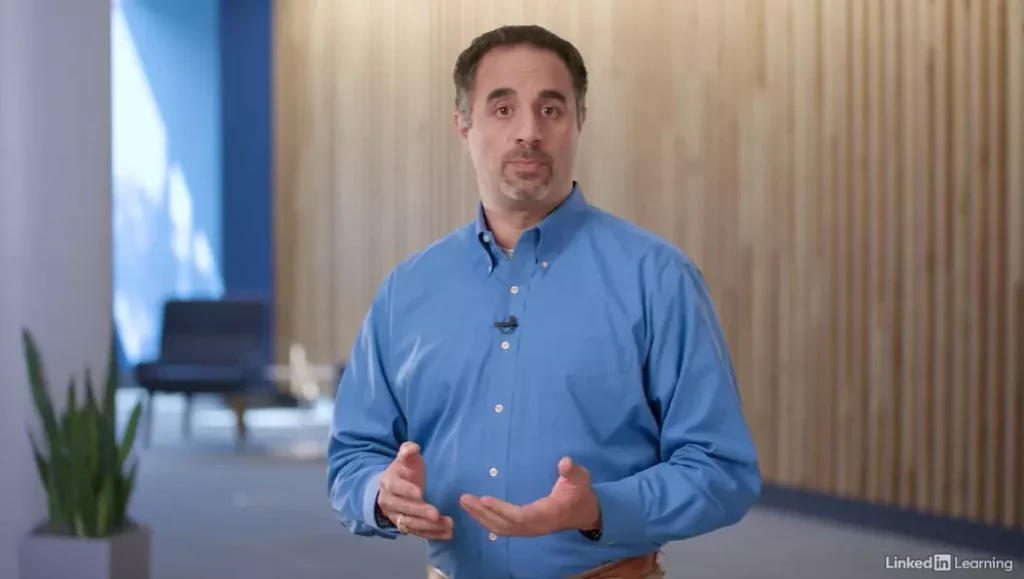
point(581, 113)
point(461, 124)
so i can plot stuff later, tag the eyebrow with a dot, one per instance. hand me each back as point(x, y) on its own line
point(544, 94)
point(553, 94)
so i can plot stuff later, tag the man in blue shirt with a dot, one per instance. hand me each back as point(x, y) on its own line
point(546, 391)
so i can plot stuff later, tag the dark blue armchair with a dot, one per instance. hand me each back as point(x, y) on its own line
point(209, 347)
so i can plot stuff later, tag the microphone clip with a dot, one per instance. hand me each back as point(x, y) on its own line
point(508, 326)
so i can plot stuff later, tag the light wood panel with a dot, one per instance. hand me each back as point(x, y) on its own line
point(847, 173)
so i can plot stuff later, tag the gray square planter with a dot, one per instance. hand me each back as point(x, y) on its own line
point(122, 556)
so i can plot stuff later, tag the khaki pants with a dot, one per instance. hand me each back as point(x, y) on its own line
point(648, 567)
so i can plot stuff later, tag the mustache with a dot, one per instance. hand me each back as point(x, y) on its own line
point(528, 154)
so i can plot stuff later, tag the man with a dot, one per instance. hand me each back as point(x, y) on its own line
point(546, 391)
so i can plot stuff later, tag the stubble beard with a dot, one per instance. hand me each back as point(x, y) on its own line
point(536, 187)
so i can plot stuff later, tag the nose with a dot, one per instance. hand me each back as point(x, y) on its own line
point(528, 130)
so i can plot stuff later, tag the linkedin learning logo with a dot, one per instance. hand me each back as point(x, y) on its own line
point(942, 562)
point(947, 562)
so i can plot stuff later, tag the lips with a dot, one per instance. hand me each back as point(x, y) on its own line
point(526, 164)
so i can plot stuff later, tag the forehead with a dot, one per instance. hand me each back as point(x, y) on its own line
point(525, 69)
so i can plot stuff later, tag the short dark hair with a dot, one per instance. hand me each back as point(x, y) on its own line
point(469, 60)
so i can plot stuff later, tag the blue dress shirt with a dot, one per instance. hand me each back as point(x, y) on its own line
point(618, 361)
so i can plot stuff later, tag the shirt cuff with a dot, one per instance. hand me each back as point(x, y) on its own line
point(370, 506)
point(622, 514)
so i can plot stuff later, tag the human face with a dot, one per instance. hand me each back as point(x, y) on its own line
point(524, 128)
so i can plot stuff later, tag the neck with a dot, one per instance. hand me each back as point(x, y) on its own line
point(507, 222)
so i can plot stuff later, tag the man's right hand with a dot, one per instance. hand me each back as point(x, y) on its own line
point(401, 497)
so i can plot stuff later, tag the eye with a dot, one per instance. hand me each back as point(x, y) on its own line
point(503, 111)
point(549, 111)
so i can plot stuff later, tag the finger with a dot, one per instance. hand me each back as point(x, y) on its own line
point(501, 517)
point(409, 508)
point(399, 487)
point(409, 453)
point(572, 471)
point(505, 518)
point(439, 529)
point(512, 514)
point(487, 519)
point(437, 535)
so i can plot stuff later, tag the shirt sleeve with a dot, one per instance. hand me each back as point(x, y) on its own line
point(709, 477)
point(367, 426)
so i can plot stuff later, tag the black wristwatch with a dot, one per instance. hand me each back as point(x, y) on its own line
point(594, 535)
point(382, 521)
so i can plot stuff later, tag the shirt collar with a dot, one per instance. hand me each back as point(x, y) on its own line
point(551, 234)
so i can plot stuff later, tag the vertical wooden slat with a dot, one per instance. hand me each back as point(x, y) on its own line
point(925, 256)
point(823, 192)
point(832, 45)
point(860, 248)
point(995, 107)
point(874, 195)
point(892, 155)
point(848, 174)
point(1013, 393)
point(961, 273)
point(845, 249)
point(872, 256)
point(754, 204)
point(780, 86)
point(804, 243)
point(906, 30)
point(321, 313)
point(975, 201)
point(942, 187)
point(785, 195)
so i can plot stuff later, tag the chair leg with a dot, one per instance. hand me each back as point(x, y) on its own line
point(238, 406)
point(186, 418)
point(148, 420)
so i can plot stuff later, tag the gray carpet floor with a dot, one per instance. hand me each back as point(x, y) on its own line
point(262, 513)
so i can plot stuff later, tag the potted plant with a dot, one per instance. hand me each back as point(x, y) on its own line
point(85, 472)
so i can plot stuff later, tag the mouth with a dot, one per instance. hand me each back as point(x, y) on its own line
point(526, 163)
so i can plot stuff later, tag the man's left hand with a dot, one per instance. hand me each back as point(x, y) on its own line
point(570, 505)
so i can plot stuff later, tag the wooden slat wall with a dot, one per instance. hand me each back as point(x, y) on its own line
point(849, 174)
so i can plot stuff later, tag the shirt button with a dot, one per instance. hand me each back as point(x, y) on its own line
point(494, 472)
point(514, 289)
point(505, 345)
point(544, 264)
point(499, 408)
point(487, 238)
point(492, 537)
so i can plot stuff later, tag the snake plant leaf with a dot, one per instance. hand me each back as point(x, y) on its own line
point(43, 468)
point(125, 492)
point(105, 507)
point(128, 441)
point(82, 470)
point(70, 404)
point(80, 528)
point(37, 382)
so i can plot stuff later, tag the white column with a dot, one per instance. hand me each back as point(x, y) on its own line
point(55, 222)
